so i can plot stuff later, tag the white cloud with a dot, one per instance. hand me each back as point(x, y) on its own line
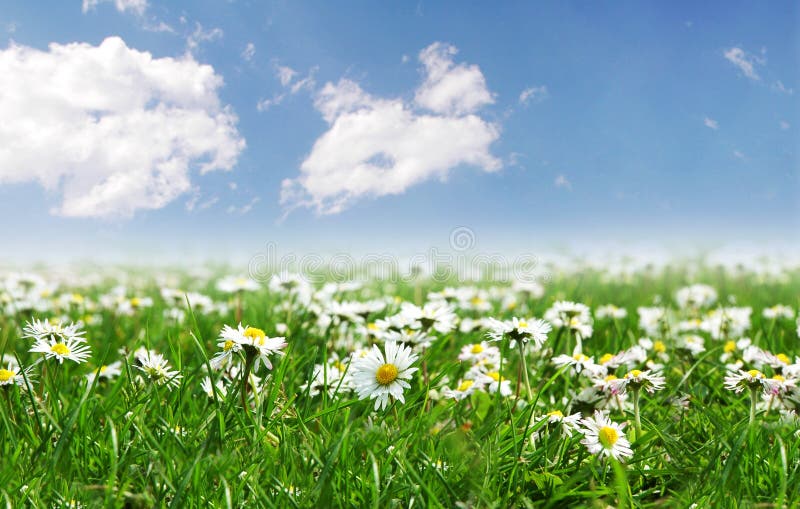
point(533, 94)
point(738, 155)
point(562, 181)
point(11, 28)
point(135, 6)
point(382, 146)
point(449, 88)
point(711, 123)
point(744, 61)
point(249, 51)
point(200, 34)
point(244, 209)
point(233, 186)
point(785, 125)
point(109, 129)
point(780, 87)
point(286, 76)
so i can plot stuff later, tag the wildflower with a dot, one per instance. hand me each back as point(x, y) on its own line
point(478, 351)
point(778, 311)
point(252, 340)
point(60, 348)
point(378, 376)
point(581, 363)
point(696, 296)
point(520, 329)
point(611, 311)
point(41, 329)
point(157, 370)
point(604, 437)
point(434, 315)
point(234, 284)
point(464, 389)
point(742, 380)
point(567, 423)
point(210, 388)
point(494, 382)
point(106, 372)
point(646, 380)
point(12, 375)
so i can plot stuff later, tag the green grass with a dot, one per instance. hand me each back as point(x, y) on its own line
point(112, 444)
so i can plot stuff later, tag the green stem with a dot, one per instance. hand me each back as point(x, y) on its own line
point(753, 401)
point(245, 376)
point(636, 415)
point(524, 368)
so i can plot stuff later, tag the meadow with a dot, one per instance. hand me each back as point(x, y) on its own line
point(656, 387)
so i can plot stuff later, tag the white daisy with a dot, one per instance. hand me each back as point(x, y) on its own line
point(520, 329)
point(54, 346)
point(250, 339)
point(742, 380)
point(463, 390)
point(12, 375)
point(377, 377)
point(603, 437)
point(234, 284)
point(209, 388)
point(41, 329)
point(567, 423)
point(157, 370)
point(581, 363)
point(107, 372)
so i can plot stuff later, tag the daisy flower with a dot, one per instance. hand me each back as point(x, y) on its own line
point(567, 423)
point(646, 380)
point(106, 372)
point(463, 390)
point(209, 388)
point(250, 339)
point(493, 382)
point(60, 348)
point(520, 329)
point(234, 284)
point(611, 311)
point(157, 370)
point(378, 376)
point(742, 380)
point(778, 311)
point(581, 363)
point(41, 329)
point(12, 375)
point(476, 352)
point(433, 315)
point(603, 437)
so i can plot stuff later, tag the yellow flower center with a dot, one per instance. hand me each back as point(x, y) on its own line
point(610, 378)
point(608, 436)
point(605, 358)
point(776, 377)
point(580, 357)
point(783, 358)
point(465, 385)
point(60, 349)
point(103, 369)
point(136, 302)
point(522, 324)
point(755, 373)
point(476, 348)
point(659, 347)
point(76, 298)
point(338, 365)
point(228, 345)
point(555, 413)
point(729, 347)
point(476, 301)
point(6, 375)
point(494, 375)
point(635, 373)
point(255, 335)
point(386, 374)
point(372, 326)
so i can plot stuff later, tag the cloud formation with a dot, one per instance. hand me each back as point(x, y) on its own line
point(744, 61)
point(109, 129)
point(378, 146)
point(533, 94)
point(135, 6)
point(711, 123)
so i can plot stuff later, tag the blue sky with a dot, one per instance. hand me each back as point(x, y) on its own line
point(673, 122)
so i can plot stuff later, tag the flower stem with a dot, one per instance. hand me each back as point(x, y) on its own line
point(248, 365)
point(524, 367)
point(753, 401)
point(636, 414)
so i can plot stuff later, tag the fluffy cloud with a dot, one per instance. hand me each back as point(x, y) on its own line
point(290, 81)
point(532, 94)
point(136, 6)
point(110, 129)
point(711, 123)
point(562, 181)
point(382, 146)
point(744, 61)
point(449, 88)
